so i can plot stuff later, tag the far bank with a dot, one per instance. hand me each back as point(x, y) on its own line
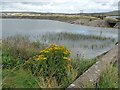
point(87, 20)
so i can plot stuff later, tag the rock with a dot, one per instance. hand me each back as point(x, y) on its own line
point(81, 21)
point(117, 25)
point(99, 23)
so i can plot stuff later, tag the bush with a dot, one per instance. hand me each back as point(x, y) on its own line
point(53, 61)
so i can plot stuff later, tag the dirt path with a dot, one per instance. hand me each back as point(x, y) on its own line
point(91, 76)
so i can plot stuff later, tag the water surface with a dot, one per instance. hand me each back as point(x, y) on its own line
point(35, 28)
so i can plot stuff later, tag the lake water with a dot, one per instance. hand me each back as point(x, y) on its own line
point(36, 27)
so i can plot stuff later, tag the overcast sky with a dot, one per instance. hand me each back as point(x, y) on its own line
point(59, 6)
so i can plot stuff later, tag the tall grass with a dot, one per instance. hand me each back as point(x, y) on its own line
point(73, 36)
point(18, 79)
point(78, 40)
point(109, 78)
point(19, 46)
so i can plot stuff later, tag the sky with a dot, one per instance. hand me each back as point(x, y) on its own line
point(59, 6)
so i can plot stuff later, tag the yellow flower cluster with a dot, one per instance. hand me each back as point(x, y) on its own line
point(51, 49)
point(54, 47)
point(66, 58)
point(40, 57)
point(66, 52)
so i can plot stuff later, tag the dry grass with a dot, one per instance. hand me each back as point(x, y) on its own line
point(21, 47)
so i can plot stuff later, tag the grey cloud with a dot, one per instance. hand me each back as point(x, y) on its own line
point(115, 4)
point(103, 4)
point(35, 3)
point(24, 1)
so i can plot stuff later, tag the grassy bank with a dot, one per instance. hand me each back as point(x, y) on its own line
point(28, 64)
point(20, 78)
point(109, 78)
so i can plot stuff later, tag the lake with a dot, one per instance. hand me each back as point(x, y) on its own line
point(87, 47)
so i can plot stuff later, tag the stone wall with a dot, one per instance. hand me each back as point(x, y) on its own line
point(91, 76)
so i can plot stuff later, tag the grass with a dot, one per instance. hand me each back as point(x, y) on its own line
point(19, 46)
point(109, 78)
point(18, 79)
point(73, 36)
point(19, 70)
point(110, 20)
point(85, 64)
point(17, 50)
point(95, 42)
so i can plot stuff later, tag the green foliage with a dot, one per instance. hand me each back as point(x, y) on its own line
point(17, 49)
point(19, 79)
point(85, 64)
point(9, 62)
point(53, 61)
point(109, 78)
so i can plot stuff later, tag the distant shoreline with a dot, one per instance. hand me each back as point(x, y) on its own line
point(72, 19)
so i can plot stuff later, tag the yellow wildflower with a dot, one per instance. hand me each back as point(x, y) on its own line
point(36, 59)
point(42, 51)
point(53, 45)
point(66, 58)
point(40, 57)
point(62, 47)
point(50, 49)
point(56, 48)
point(44, 58)
point(66, 52)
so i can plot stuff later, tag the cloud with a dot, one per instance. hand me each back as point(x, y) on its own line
point(24, 1)
point(101, 1)
point(60, 6)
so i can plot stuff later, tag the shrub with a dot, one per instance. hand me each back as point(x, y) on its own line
point(53, 61)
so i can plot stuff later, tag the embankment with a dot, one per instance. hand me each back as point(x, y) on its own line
point(91, 76)
point(69, 18)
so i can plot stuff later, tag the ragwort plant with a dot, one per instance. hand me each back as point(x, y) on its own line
point(53, 61)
